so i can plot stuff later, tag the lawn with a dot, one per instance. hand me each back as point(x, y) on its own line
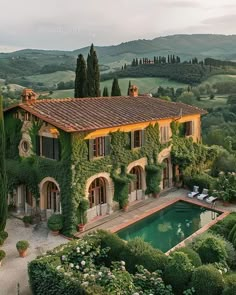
point(52, 79)
point(220, 78)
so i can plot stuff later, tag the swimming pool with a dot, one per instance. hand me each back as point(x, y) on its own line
point(169, 226)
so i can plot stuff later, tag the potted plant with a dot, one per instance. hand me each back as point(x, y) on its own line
point(2, 256)
point(27, 220)
point(22, 247)
point(55, 223)
point(82, 214)
point(3, 237)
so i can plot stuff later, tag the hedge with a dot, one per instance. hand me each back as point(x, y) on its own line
point(192, 255)
point(224, 226)
point(206, 279)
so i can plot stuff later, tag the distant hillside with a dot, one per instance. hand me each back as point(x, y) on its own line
point(28, 62)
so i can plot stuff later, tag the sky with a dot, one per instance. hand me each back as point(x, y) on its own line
point(72, 24)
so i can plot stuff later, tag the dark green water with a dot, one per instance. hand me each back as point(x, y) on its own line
point(168, 227)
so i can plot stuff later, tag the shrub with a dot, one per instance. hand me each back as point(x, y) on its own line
point(22, 245)
point(113, 242)
point(2, 254)
point(55, 222)
point(151, 282)
point(231, 255)
point(3, 235)
point(231, 290)
point(1, 241)
point(178, 272)
point(210, 248)
point(224, 226)
point(202, 180)
point(192, 255)
point(27, 219)
point(138, 252)
point(206, 279)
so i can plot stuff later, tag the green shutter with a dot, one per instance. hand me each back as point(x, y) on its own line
point(143, 136)
point(107, 145)
point(90, 148)
point(131, 139)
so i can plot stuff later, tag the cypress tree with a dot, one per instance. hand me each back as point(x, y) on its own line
point(93, 74)
point(115, 90)
point(3, 176)
point(129, 87)
point(105, 92)
point(81, 78)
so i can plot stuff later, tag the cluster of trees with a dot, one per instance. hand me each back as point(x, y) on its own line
point(65, 85)
point(226, 87)
point(170, 59)
point(185, 73)
point(219, 63)
point(87, 76)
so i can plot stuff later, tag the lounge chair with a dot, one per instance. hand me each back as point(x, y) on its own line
point(203, 195)
point(211, 200)
point(194, 193)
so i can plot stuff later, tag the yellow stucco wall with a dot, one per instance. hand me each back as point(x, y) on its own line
point(139, 126)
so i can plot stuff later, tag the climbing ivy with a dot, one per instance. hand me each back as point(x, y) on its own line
point(191, 157)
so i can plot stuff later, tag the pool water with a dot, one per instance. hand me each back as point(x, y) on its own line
point(168, 227)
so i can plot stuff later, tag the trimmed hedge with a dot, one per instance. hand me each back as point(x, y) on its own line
point(192, 255)
point(206, 279)
point(138, 252)
point(211, 248)
point(178, 272)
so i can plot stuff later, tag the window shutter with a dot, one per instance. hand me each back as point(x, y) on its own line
point(143, 137)
point(193, 128)
point(37, 147)
point(90, 147)
point(131, 139)
point(56, 149)
point(107, 145)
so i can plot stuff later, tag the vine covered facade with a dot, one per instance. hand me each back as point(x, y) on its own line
point(53, 164)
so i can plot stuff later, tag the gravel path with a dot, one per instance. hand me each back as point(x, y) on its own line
point(14, 268)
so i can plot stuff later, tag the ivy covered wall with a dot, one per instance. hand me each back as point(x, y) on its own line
point(74, 167)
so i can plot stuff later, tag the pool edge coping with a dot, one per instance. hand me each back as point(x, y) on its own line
point(167, 204)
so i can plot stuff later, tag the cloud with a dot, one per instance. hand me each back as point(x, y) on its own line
point(221, 20)
point(182, 4)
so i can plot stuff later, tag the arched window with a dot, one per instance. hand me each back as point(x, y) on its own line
point(97, 192)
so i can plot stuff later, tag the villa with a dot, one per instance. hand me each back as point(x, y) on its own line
point(72, 147)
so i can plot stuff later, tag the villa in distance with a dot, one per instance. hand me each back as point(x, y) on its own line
point(62, 151)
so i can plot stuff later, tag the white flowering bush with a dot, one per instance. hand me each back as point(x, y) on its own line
point(80, 265)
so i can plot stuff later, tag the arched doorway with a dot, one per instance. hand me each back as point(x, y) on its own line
point(49, 197)
point(166, 174)
point(135, 186)
point(97, 194)
point(53, 199)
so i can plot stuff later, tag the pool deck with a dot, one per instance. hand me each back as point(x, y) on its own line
point(141, 209)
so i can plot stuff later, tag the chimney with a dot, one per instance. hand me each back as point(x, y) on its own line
point(28, 95)
point(133, 91)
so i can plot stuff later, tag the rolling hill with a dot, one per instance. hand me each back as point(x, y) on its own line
point(32, 61)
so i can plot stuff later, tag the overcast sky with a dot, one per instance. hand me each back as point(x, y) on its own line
point(72, 24)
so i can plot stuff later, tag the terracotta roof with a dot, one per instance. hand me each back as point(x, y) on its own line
point(83, 114)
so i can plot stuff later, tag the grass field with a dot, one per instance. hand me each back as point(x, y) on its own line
point(220, 78)
point(218, 101)
point(52, 79)
point(145, 85)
